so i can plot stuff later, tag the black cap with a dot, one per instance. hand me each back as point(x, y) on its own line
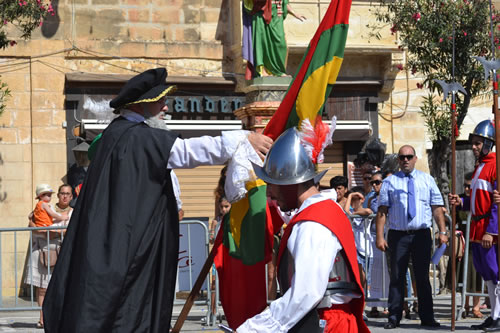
point(147, 87)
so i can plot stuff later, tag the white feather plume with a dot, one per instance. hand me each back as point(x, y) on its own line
point(307, 132)
point(309, 138)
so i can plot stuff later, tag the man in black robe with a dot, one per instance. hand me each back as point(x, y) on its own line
point(117, 267)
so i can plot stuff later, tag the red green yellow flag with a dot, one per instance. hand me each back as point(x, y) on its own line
point(244, 246)
point(318, 71)
point(245, 241)
point(245, 225)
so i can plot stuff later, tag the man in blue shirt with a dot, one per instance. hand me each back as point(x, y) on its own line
point(407, 201)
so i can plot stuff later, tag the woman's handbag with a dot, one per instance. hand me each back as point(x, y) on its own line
point(51, 254)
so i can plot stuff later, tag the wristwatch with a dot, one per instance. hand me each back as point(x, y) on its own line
point(443, 233)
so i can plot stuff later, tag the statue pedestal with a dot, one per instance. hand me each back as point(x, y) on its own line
point(263, 96)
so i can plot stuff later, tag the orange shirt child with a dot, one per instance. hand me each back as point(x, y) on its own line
point(43, 214)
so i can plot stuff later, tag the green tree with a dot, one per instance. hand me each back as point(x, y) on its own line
point(425, 28)
point(24, 16)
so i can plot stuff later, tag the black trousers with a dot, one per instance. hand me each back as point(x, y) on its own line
point(402, 244)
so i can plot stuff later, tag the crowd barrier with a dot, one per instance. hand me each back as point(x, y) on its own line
point(194, 249)
point(435, 284)
point(464, 292)
point(16, 246)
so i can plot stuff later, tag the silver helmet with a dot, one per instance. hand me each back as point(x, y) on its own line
point(287, 162)
point(484, 129)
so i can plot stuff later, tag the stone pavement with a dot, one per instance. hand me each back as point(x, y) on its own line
point(442, 312)
point(25, 321)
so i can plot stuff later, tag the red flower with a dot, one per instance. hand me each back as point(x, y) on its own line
point(440, 40)
point(399, 66)
point(12, 42)
point(416, 16)
point(420, 85)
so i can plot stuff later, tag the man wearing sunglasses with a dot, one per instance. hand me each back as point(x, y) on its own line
point(407, 201)
point(484, 224)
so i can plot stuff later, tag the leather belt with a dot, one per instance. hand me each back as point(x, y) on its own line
point(411, 231)
point(480, 217)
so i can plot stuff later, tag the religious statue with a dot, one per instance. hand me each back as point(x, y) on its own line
point(264, 45)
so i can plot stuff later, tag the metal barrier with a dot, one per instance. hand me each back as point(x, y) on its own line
point(465, 259)
point(49, 240)
point(187, 255)
point(368, 220)
point(35, 234)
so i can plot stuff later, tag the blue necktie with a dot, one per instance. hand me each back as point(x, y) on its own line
point(412, 209)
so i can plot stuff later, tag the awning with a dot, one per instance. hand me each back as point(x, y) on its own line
point(347, 130)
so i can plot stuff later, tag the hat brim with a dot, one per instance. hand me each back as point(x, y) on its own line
point(259, 171)
point(41, 193)
point(151, 96)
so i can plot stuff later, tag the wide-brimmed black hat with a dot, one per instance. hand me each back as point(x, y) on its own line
point(147, 87)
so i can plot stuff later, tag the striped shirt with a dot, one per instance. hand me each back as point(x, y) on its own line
point(394, 195)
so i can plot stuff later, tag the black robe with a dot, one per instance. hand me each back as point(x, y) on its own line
point(117, 268)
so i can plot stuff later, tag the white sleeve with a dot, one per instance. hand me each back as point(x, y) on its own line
point(205, 150)
point(314, 250)
point(176, 188)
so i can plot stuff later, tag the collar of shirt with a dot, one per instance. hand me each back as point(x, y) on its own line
point(412, 173)
point(131, 116)
point(401, 174)
point(324, 195)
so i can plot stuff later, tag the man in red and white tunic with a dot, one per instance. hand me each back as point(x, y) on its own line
point(317, 265)
point(484, 222)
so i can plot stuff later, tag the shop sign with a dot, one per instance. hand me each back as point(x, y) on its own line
point(199, 104)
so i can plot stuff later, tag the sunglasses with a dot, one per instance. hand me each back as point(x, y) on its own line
point(367, 178)
point(376, 182)
point(466, 185)
point(406, 157)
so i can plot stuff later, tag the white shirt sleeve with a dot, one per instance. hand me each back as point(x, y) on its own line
point(176, 188)
point(314, 249)
point(205, 150)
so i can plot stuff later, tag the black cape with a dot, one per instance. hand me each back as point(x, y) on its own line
point(116, 271)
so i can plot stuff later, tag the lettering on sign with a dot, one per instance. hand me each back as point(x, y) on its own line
point(200, 104)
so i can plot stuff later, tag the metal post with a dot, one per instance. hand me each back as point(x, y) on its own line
point(15, 267)
point(466, 266)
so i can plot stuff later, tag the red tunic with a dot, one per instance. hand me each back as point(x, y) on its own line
point(331, 216)
point(481, 195)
